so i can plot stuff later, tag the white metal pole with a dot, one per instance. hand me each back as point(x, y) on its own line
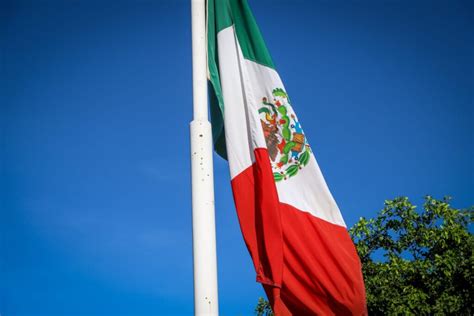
point(204, 230)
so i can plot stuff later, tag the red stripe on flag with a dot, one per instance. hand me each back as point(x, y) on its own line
point(307, 265)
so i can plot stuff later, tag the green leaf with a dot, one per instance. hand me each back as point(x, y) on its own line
point(278, 176)
point(292, 170)
point(304, 158)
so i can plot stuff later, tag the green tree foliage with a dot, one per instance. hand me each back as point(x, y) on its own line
point(263, 308)
point(414, 262)
point(417, 262)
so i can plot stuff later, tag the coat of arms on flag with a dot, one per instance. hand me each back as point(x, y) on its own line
point(285, 139)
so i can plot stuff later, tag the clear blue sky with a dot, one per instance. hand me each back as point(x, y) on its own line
point(95, 111)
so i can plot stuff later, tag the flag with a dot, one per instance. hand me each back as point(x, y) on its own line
point(300, 248)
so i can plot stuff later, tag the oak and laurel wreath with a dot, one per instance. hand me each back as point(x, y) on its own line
point(293, 169)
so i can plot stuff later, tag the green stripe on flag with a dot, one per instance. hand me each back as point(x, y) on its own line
point(249, 36)
point(223, 14)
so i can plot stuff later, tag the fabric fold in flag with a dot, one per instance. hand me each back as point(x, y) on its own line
point(292, 227)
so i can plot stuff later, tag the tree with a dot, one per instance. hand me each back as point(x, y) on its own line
point(263, 308)
point(415, 262)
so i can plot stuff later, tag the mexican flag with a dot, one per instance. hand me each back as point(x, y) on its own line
point(293, 229)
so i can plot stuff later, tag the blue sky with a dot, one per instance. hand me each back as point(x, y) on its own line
point(95, 214)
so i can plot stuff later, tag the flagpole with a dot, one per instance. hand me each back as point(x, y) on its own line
point(204, 230)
